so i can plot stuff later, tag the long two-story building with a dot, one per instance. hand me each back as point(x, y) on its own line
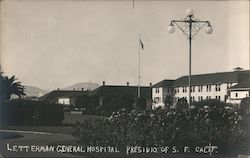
point(203, 86)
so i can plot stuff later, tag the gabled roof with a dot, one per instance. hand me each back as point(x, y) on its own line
point(245, 85)
point(164, 83)
point(111, 90)
point(62, 94)
point(212, 78)
point(243, 82)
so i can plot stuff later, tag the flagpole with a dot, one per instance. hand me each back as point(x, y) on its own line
point(139, 69)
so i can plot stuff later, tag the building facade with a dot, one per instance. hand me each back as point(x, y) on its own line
point(161, 91)
point(221, 86)
point(64, 97)
point(115, 97)
point(241, 90)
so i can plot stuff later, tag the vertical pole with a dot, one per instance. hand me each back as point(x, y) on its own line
point(139, 69)
point(190, 44)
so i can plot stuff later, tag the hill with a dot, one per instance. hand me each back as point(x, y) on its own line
point(84, 85)
point(34, 91)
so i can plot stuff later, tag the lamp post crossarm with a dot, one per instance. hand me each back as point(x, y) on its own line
point(199, 21)
point(185, 21)
point(183, 29)
point(183, 25)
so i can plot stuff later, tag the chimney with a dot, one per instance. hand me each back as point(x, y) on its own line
point(58, 89)
point(127, 83)
point(150, 84)
point(103, 83)
point(82, 89)
point(74, 89)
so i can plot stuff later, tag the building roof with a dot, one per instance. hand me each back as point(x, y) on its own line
point(245, 85)
point(164, 83)
point(243, 82)
point(62, 94)
point(212, 78)
point(111, 90)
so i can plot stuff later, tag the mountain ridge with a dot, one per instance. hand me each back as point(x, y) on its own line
point(80, 85)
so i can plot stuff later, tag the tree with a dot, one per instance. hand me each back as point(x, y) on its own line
point(169, 100)
point(10, 86)
point(245, 104)
point(182, 103)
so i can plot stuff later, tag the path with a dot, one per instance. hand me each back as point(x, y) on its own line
point(33, 138)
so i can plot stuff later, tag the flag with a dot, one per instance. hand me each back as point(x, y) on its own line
point(142, 45)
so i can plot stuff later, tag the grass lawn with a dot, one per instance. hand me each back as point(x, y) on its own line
point(6, 135)
point(71, 119)
point(65, 128)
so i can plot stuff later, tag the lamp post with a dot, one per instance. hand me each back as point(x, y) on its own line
point(190, 26)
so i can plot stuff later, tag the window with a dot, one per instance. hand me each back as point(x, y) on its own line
point(176, 90)
point(236, 95)
point(208, 88)
point(184, 89)
point(217, 97)
point(217, 87)
point(200, 98)
point(157, 90)
point(193, 89)
point(199, 88)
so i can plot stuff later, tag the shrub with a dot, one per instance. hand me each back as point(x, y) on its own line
point(223, 126)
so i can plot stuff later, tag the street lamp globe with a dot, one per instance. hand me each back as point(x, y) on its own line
point(171, 28)
point(209, 29)
point(190, 12)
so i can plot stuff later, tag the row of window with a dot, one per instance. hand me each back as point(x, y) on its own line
point(208, 88)
point(200, 98)
point(200, 89)
point(168, 90)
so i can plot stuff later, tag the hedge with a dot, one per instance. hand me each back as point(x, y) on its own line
point(26, 112)
point(224, 126)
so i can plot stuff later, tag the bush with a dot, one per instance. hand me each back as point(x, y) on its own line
point(25, 112)
point(224, 126)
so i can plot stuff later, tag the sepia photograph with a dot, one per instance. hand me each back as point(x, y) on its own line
point(125, 78)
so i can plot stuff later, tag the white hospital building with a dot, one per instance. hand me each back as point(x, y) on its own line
point(230, 87)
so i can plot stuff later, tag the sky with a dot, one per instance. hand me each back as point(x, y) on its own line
point(56, 43)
